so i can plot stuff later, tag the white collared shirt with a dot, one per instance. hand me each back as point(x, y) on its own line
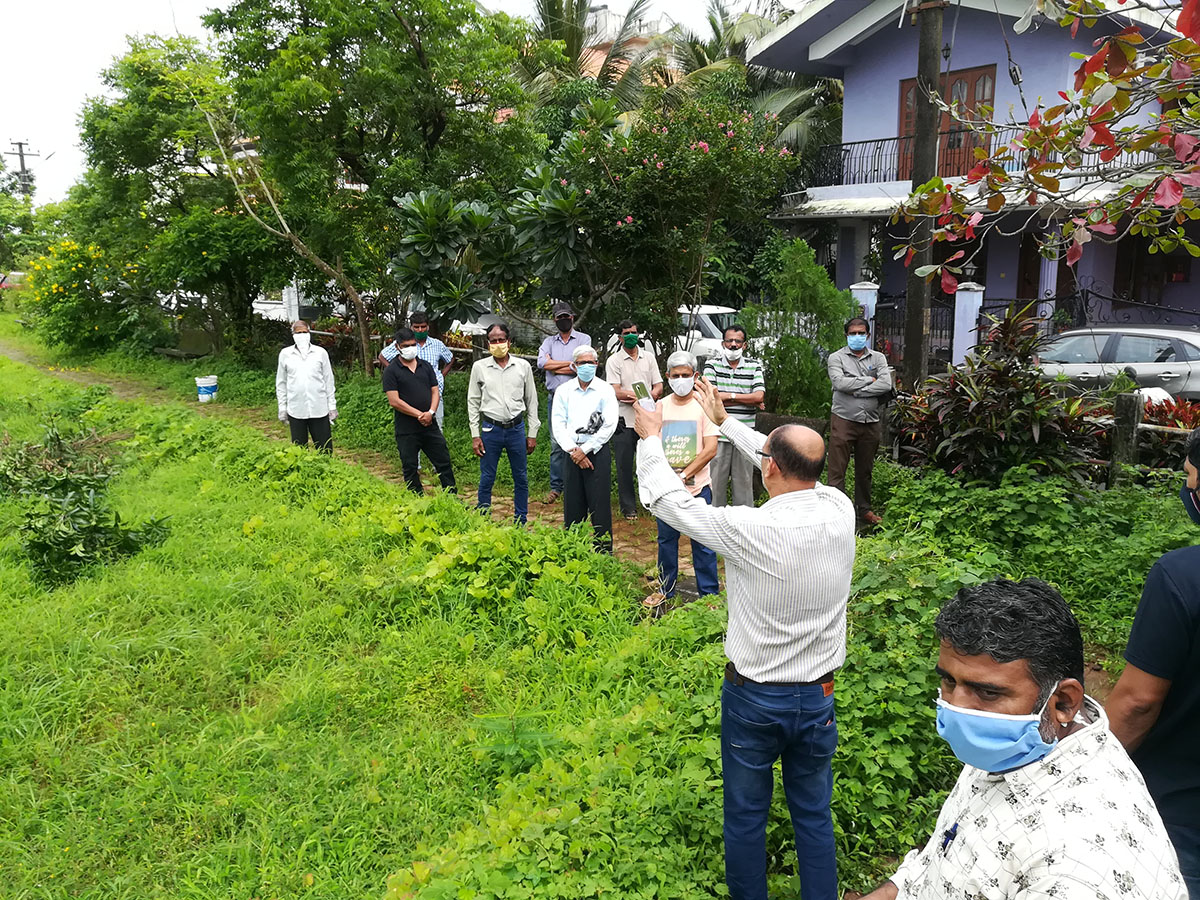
point(1077, 824)
point(304, 383)
point(788, 564)
point(572, 410)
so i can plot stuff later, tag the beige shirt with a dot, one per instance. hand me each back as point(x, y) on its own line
point(502, 393)
point(623, 370)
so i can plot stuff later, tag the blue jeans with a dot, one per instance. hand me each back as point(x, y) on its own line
point(557, 454)
point(703, 560)
point(496, 441)
point(1187, 848)
point(759, 724)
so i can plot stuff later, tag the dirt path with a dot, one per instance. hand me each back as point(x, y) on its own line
point(634, 541)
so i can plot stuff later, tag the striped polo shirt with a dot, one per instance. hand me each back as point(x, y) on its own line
point(745, 378)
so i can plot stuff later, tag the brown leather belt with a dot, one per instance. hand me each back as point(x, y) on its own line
point(732, 676)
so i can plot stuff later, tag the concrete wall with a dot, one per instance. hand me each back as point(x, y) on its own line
point(882, 61)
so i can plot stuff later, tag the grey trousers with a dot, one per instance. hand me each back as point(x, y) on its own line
point(730, 465)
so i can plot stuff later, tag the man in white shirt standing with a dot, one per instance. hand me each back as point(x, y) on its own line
point(1048, 804)
point(582, 421)
point(788, 565)
point(304, 389)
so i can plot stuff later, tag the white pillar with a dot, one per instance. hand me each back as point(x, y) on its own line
point(866, 296)
point(291, 301)
point(968, 301)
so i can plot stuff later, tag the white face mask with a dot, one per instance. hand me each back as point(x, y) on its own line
point(302, 339)
point(682, 386)
point(408, 354)
point(732, 354)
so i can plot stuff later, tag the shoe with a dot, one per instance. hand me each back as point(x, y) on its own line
point(631, 518)
point(552, 497)
point(872, 518)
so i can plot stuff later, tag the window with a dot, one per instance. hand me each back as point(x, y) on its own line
point(1191, 352)
point(1076, 349)
point(1141, 348)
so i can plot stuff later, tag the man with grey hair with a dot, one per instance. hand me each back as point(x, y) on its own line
point(304, 390)
point(787, 566)
point(1048, 804)
point(689, 440)
point(583, 418)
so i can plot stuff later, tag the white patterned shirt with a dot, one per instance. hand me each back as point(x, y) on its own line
point(1075, 825)
point(788, 564)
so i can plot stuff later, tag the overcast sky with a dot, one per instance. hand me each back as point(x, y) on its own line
point(54, 50)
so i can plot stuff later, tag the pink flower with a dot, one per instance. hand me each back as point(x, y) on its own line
point(658, 165)
point(664, 131)
point(720, 124)
point(785, 152)
point(629, 220)
point(761, 148)
point(587, 190)
point(729, 134)
point(563, 182)
point(620, 224)
point(703, 145)
point(645, 162)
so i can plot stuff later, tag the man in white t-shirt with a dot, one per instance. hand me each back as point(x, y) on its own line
point(689, 440)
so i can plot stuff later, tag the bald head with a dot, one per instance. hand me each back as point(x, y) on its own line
point(798, 451)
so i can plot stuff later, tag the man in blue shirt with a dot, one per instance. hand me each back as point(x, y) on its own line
point(1155, 707)
point(555, 358)
point(582, 422)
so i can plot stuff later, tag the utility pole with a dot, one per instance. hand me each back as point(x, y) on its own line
point(24, 176)
point(928, 14)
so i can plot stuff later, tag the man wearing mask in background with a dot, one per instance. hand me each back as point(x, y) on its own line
point(860, 378)
point(627, 365)
point(412, 392)
point(582, 422)
point(689, 442)
point(502, 395)
point(304, 389)
point(555, 358)
point(741, 387)
point(1154, 710)
point(1048, 803)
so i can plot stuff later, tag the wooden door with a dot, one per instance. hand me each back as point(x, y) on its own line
point(967, 90)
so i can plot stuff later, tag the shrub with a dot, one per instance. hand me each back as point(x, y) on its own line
point(801, 325)
point(1161, 450)
point(994, 412)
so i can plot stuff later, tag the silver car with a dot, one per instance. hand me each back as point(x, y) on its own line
point(1161, 357)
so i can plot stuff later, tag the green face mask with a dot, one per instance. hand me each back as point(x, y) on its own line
point(630, 340)
point(421, 335)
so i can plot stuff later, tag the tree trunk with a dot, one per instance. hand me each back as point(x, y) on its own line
point(347, 286)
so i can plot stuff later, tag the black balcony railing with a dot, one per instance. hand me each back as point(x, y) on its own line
point(891, 159)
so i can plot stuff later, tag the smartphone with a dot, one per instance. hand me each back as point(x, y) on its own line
point(643, 396)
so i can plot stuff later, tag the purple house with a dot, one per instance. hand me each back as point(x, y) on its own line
point(871, 46)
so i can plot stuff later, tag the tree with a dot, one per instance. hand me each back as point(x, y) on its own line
point(16, 218)
point(1118, 154)
point(157, 194)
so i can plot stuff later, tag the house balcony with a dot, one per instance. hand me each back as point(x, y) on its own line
point(891, 159)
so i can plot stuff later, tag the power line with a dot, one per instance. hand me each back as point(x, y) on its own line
point(24, 175)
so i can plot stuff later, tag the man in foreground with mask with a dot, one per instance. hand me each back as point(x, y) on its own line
point(1048, 805)
point(689, 440)
point(787, 569)
point(1154, 709)
point(861, 378)
point(582, 422)
point(740, 385)
point(501, 396)
point(304, 390)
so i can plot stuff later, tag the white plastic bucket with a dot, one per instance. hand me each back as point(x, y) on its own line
point(206, 388)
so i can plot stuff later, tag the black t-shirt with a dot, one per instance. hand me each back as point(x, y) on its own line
point(414, 388)
point(1165, 642)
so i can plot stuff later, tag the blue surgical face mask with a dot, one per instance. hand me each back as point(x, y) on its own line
point(991, 741)
point(856, 342)
point(1191, 502)
point(585, 371)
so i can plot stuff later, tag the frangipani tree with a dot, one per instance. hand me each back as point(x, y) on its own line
point(1117, 153)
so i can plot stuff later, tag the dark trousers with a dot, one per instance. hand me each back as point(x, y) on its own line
point(1187, 848)
point(862, 440)
point(704, 561)
point(761, 723)
point(624, 444)
point(498, 440)
point(588, 492)
point(429, 440)
point(318, 429)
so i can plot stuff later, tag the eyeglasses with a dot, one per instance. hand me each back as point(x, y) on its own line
point(764, 454)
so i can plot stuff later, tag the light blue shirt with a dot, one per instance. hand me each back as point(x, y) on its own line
point(573, 408)
point(554, 347)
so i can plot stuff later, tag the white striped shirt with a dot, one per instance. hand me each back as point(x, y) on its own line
point(788, 564)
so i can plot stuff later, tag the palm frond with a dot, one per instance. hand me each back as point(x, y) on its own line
point(620, 53)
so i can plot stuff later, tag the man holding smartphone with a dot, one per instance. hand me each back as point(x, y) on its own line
point(629, 365)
